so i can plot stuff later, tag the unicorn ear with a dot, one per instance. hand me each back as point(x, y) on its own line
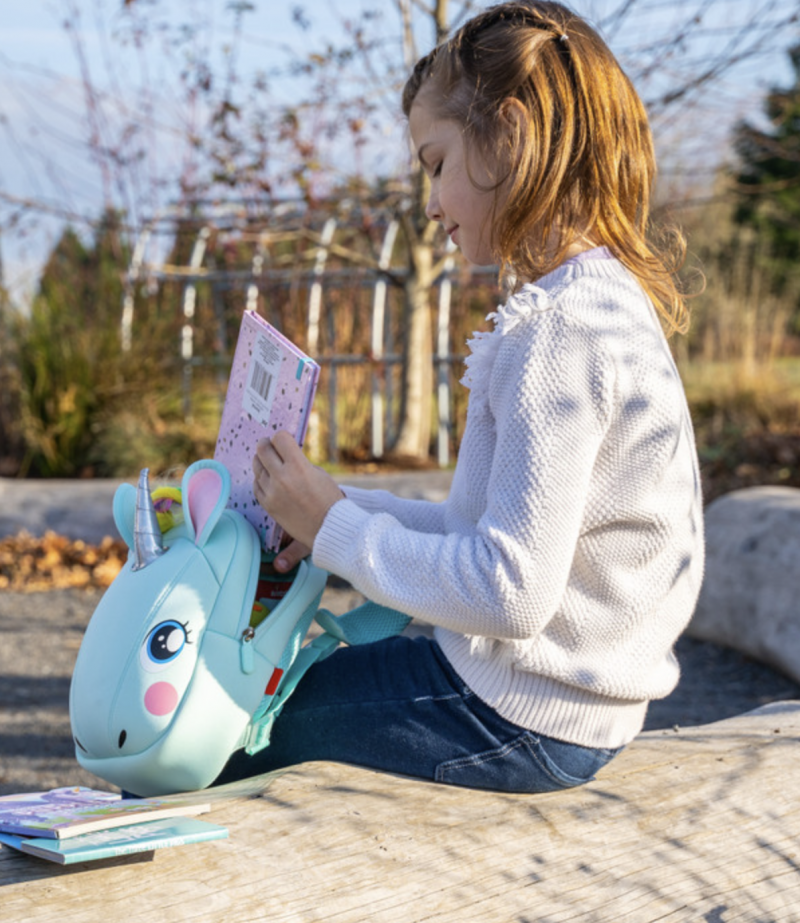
point(124, 509)
point(206, 487)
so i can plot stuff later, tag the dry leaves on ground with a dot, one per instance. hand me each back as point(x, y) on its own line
point(29, 564)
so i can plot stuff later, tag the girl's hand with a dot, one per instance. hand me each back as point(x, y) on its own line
point(294, 492)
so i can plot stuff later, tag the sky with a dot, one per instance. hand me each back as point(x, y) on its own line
point(44, 125)
point(43, 118)
point(43, 121)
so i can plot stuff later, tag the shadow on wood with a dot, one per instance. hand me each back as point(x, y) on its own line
point(701, 824)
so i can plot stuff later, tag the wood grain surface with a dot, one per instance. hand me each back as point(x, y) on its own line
point(698, 824)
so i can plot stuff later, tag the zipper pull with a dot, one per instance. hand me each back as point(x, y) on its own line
point(247, 656)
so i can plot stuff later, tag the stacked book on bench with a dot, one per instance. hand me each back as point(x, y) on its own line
point(69, 825)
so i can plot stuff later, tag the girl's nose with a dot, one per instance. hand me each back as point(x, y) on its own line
point(432, 209)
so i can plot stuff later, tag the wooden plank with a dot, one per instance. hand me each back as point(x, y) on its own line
point(700, 824)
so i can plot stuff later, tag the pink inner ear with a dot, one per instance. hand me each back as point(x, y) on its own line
point(203, 494)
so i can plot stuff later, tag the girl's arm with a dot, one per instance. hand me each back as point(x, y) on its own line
point(506, 576)
point(298, 495)
point(419, 515)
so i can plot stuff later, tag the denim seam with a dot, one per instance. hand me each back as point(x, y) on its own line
point(436, 698)
point(371, 703)
point(526, 740)
point(478, 759)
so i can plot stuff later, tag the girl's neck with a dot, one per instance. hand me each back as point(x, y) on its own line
point(575, 249)
point(581, 245)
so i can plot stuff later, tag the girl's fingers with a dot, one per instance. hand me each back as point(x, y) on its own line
point(291, 555)
point(285, 447)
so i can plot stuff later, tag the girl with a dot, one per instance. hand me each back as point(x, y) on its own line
point(568, 557)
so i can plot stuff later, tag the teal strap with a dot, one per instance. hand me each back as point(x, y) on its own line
point(271, 706)
point(363, 625)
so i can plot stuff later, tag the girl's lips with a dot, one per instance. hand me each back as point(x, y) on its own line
point(451, 232)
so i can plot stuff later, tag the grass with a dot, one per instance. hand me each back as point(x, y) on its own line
point(763, 396)
point(747, 423)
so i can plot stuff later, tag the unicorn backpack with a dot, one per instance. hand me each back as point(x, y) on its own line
point(183, 662)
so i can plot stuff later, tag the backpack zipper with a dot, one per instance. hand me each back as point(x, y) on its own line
point(247, 657)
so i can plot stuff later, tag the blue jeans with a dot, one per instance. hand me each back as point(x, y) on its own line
point(398, 706)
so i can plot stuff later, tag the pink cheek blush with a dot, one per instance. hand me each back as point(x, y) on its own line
point(161, 699)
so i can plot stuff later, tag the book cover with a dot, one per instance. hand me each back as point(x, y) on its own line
point(271, 387)
point(69, 812)
point(122, 841)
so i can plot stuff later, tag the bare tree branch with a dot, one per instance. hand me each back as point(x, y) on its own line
point(409, 44)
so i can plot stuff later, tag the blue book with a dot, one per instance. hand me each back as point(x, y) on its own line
point(121, 841)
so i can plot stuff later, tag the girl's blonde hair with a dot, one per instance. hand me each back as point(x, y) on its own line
point(581, 162)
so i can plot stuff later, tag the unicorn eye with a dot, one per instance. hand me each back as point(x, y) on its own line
point(164, 644)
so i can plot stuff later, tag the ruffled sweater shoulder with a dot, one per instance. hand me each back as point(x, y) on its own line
point(484, 344)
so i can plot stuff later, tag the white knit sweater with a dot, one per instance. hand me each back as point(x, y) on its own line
point(568, 556)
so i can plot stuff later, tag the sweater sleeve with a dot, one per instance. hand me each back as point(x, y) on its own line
point(548, 401)
point(418, 515)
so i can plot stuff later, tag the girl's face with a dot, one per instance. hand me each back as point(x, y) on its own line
point(458, 179)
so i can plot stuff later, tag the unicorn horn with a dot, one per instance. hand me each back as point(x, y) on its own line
point(147, 544)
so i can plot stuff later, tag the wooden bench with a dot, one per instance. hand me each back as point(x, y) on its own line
point(699, 824)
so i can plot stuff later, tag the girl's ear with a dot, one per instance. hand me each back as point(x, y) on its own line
point(512, 123)
point(513, 113)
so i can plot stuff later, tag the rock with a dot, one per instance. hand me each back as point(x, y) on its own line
point(750, 599)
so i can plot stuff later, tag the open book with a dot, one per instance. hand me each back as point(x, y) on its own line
point(67, 812)
point(271, 388)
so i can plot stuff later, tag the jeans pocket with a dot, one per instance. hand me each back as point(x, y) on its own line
point(572, 764)
point(560, 771)
point(525, 765)
point(498, 769)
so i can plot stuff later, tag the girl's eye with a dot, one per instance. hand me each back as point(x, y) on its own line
point(164, 644)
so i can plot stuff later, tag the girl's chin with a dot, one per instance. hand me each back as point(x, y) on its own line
point(481, 260)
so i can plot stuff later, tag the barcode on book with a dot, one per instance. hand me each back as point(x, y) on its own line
point(261, 380)
point(265, 364)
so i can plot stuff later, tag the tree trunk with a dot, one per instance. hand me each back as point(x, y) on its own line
point(414, 433)
point(414, 436)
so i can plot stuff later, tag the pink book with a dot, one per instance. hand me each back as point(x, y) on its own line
point(68, 812)
point(271, 388)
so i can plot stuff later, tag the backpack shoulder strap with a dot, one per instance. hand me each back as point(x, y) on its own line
point(363, 625)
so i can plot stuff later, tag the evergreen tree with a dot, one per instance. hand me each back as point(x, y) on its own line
point(769, 184)
point(68, 350)
point(9, 389)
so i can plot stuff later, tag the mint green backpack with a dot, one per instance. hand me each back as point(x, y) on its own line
point(182, 663)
